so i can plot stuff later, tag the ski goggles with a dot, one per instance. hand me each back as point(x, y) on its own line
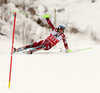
point(61, 27)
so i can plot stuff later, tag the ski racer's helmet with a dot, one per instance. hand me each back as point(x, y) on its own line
point(62, 27)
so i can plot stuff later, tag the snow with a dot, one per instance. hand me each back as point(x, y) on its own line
point(52, 72)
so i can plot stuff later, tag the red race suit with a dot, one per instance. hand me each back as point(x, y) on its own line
point(52, 39)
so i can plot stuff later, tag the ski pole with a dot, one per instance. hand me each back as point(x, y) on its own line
point(46, 16)
point(69, 51)
point(84, 49)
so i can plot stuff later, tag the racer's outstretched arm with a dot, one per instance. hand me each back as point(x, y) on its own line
point(50, 24)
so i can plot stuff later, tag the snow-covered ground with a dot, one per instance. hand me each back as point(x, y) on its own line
point(52, 72)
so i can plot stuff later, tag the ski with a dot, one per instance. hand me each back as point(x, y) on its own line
point(31, 49)
point(19, 49)
point(36, 49)
point(23, 48)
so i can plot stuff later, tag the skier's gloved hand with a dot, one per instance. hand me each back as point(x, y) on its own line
point(68, 51)
point(47, 18)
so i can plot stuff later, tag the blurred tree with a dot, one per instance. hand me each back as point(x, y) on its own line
point(93, 1)
point(2, 2)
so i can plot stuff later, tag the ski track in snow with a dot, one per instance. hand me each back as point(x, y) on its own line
point(52, 72)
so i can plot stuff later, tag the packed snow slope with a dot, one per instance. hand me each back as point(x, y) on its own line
point(52, 72)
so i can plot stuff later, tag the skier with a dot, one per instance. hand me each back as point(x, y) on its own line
point(55, 36)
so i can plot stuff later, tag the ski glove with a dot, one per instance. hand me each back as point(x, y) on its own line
point(68, 51)
point(47, 18)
